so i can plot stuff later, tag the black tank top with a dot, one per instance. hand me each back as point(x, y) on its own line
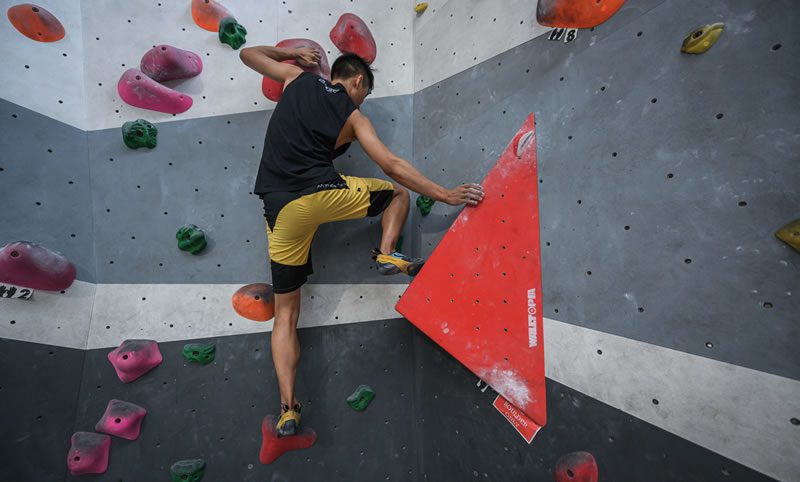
point(301, 137)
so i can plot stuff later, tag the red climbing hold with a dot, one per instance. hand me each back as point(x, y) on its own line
point(134, 358)
point(208, 13)
point(165, 62)
point(33, 266)
point(88, 453)
point(273, 446)
point(255, 301)
point(36, 23)
point(576, 467)
point(273, 90)
point(479, 295)
point(123, 419)
point(576, 13)
point(139, 90)
point(351, 35)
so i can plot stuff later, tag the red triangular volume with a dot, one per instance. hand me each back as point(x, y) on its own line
point(479, 294)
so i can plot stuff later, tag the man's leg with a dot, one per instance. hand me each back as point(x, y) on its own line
point(285, 345)
point(394, 217)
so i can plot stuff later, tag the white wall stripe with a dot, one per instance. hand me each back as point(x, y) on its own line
point(740, 413)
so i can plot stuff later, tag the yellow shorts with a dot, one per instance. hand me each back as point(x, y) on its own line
point(293, 218)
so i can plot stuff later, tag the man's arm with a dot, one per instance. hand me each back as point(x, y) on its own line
point(403, 172)
point(269, 61)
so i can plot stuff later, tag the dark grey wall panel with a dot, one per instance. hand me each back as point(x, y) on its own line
point(463, 437)
point(202, 172)
point(39, 388)
point(45, 194)
point(657, 213)
point(215, 411)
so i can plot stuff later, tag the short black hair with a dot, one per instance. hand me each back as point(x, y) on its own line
point(349, 65)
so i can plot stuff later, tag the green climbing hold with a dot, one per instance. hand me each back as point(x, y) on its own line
point(190, 470)
point(424, 203)
point(231, 32)
point(360, 399)
point(702, 38)
point(790, 234)
point(399, 246)
point(202, 353)
point(191, 238)
point(139, 133)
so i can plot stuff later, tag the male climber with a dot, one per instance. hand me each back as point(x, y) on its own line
point(314, 122)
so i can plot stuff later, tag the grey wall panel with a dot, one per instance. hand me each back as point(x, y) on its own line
point(668, 205)
point(214, 412)
point(45, 194)
point(459, 419)
point(39, 386)
point(202, 172)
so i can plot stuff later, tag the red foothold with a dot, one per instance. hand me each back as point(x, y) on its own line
point(273, 446)
point(576, 467)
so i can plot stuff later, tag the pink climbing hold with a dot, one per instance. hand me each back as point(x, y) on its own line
point(351, 35)
point(134, 358)
point(88, 453)
point(273, 90)
point(123, 419)
point(576, 467)
point(165, 62)
point(139, 90)
point(34, 266)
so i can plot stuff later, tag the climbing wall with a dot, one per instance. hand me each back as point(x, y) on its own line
point(662, 177)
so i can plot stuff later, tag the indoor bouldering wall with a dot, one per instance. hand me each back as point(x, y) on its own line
point(663, 175)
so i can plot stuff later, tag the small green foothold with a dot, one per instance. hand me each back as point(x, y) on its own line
point(360, 399)
point(790, 234)
point(399, 246)
point(202, 353)
point(191, 238)
point(424, 203)
point(231, 32)
point(190, 470)
point(702, 38)
point(139, 133)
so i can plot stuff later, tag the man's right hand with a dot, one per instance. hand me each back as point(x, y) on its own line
point(307, 57)
point(470, 194)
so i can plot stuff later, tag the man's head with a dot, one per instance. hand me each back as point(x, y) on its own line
point(355, 74)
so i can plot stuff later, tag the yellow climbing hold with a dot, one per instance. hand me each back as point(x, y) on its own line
point(702, 38)
point(790, 234)
point(421, 7)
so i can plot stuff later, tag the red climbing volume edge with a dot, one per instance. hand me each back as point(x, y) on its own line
point(479, 294)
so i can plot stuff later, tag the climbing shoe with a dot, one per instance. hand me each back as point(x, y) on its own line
point(289, 422)
point(396, 262)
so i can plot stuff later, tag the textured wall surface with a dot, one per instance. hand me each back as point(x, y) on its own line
point(202, 172)
point(46, 77)
point(669, 302)
point(45, 186)
point(662, 182)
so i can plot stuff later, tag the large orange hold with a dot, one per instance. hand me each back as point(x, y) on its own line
point(255, 302)
point(36, 23)
point(576, 13)
point(208, 13)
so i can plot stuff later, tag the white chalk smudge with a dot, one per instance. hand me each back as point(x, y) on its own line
point(508, 384)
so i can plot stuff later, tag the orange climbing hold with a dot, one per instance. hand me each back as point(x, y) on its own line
point(208, 13)
point(576, 13)
point(255, 302)
point(36, 23)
